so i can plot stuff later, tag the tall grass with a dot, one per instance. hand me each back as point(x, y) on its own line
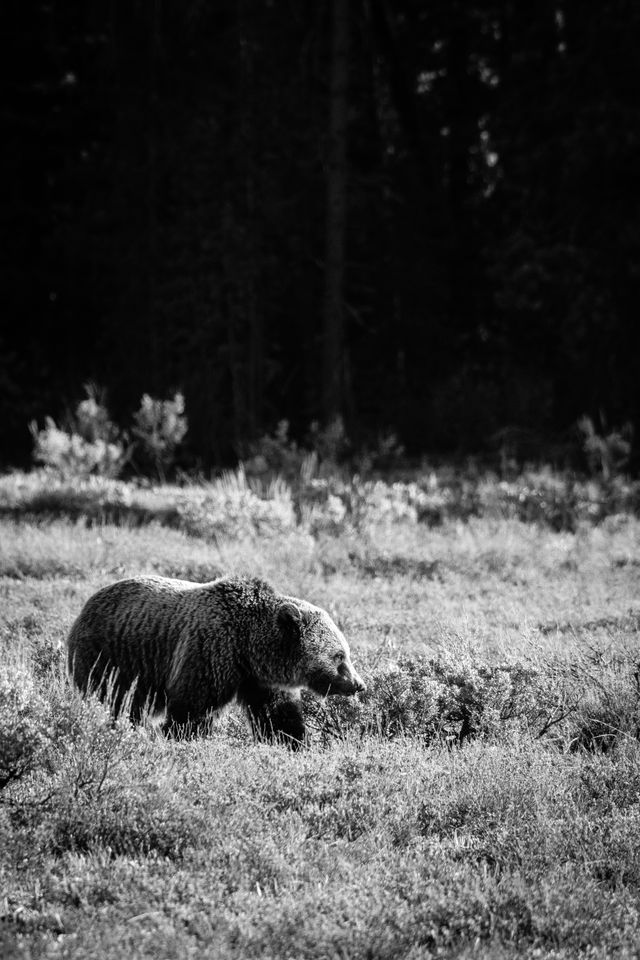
point(482, 799)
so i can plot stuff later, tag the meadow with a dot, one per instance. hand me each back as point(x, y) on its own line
point(482, 799)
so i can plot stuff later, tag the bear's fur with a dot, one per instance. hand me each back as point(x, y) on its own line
point(189, 648)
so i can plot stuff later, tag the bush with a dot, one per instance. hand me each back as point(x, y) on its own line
point(90, 444)
point(127, 818)
point(452, 698)
point(160, 426)
point(24, 725)
point(230, 507)
point(330, 443)
point(112, 786)
point(607, 452)
point(277, 454)
point(96, 782)
point(575, 706)
point(72, 456)
point(243, 501)
point(384, 453)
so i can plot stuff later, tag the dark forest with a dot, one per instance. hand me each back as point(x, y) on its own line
point(421, 216)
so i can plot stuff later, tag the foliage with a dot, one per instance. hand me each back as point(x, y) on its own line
point(231, 507)
point(330, 443)
point(275, 453)
point(454, 698)
point(238, 503)
point(107, 791)
point(278, 454)
point(160, 426)
point(24, 725)
point(92, 421)
point(606, 453)
point(90, 444)
point(71, 455)
point(227, 506)
point(386, 453)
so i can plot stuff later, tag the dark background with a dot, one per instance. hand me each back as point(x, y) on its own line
point(423, 216)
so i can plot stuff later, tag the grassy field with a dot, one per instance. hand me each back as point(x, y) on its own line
point(481, 800)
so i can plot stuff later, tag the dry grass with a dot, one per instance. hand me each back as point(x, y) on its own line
point(382, 839)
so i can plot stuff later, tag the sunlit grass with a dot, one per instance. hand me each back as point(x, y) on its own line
point(399, 832)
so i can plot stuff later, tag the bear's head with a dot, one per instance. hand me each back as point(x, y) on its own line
point(322, 657)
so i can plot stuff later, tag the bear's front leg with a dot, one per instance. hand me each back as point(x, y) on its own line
point(275, 715)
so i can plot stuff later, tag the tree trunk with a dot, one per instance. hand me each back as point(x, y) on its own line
point(335, 262)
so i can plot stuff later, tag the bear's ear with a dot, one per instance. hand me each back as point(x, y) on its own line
point(290, 621)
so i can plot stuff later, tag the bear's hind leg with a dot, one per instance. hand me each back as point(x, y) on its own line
point(179, 721)
point(107, 684)
point(274, 714)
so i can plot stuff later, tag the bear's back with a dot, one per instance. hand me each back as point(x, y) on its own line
point(130, 625)
point(141, 624)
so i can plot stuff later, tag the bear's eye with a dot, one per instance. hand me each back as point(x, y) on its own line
point(339, 657)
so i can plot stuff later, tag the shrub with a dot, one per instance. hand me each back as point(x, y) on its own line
point(111, 785)
point(609, 706)
point(128, 818)
point(607, 452)
point(230, 507)
point(330, 443)
point(384, 453)
point(275, 453)
point(449, 698)
point(24, 725)
point(278, 454)
point(319, 503)
point(92, 421)
point(90, 443)
point(455, 697)
point(160, 426)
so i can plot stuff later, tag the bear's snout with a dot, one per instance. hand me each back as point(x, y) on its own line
point(329, 682)
point(352, 680)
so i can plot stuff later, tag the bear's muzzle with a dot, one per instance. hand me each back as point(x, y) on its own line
point(348, 683)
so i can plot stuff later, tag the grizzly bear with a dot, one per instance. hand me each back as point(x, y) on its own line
point(189, 648)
